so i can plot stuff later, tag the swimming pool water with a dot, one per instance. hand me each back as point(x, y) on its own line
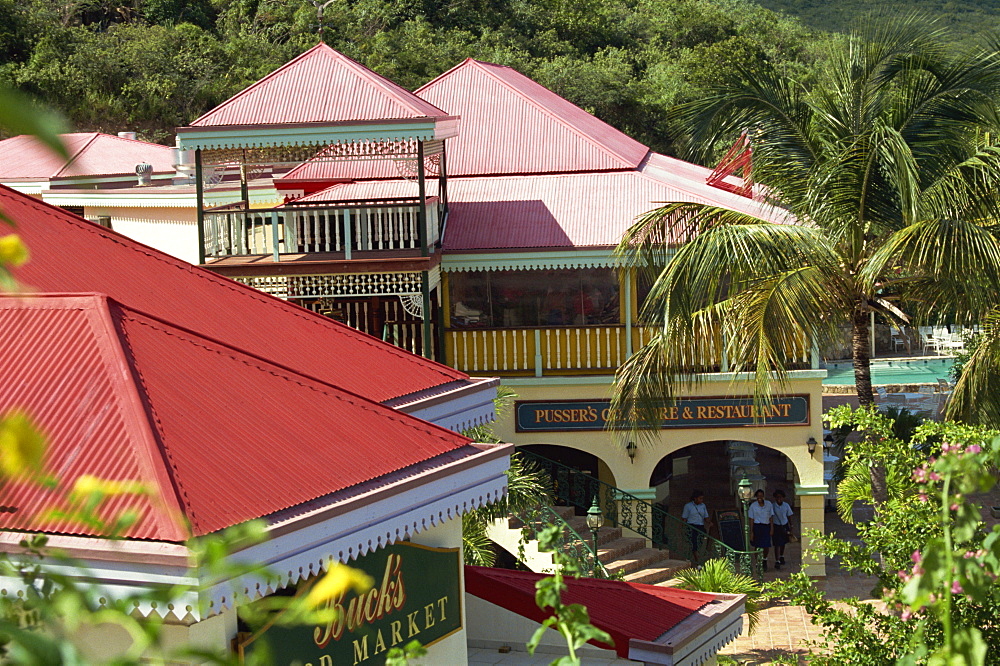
point(907, 371)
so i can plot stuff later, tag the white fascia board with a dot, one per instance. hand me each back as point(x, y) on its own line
point(459, 409)
point(138, 199)
point(303, 544)
point(34, 187)
point(698, 638)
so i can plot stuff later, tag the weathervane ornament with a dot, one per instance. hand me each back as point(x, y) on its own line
point(320, 5)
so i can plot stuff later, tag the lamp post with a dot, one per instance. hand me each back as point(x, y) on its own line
point(745, 492)
point(595, 521)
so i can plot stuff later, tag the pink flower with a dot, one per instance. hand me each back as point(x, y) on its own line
point(922, 497)
point(956, 588)
point(935, 476)
point(907, 614)
point(973, 448)
point(954, 507)
point(915, 557)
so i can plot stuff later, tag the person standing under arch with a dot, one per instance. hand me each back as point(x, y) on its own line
point(782, 527)
point(695, 514)
point(761, 514)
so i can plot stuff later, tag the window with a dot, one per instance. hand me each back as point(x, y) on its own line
point(514, 299)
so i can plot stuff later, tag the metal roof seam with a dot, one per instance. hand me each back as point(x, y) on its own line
point(140, 381)
point(76, 155)
point(485, 68)
point(301, 313)
point(312, 384)
point(548, 112)
point(138, 400)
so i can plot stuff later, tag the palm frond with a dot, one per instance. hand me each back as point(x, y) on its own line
point(976, 396)
point(718, 575)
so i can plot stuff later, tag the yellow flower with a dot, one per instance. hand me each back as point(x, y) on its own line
point(338, 580)
point(88, 484)
point(12, 251)
point(21, 446)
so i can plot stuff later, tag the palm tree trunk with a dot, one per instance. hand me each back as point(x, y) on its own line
point(861, 352)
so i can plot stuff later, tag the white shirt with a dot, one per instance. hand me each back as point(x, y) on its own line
point(782, 512)
point(695, 514)
point(761, 514)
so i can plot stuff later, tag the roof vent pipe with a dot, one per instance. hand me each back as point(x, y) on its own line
point(145, 173)
point(128, 135)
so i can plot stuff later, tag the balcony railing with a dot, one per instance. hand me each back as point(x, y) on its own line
point(345, 228)
point(559, 351)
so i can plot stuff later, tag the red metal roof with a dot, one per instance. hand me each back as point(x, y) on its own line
point(127, 397)
point(319, 86)
point(91, 154)
point(559, 210)
point(70, 254)
point(624, 610)
point(512, 125)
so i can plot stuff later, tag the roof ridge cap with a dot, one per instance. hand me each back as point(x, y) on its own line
point(72, 158)
point(548, 112)
point(136, 397)
point(258, 82)
point(390, 86)
point(291, 373)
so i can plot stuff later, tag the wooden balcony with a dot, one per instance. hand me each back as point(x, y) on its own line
point(569, 350)
point(352, 227)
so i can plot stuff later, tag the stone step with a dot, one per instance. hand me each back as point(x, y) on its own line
point(637, 560)
point(568, 513)
point(619, 548)
point(658, 573)
point(605, 535)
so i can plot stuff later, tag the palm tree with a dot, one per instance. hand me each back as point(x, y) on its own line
point(976, 397)
point(718, 575)
point(887, 175)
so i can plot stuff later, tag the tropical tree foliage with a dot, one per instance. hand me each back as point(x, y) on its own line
point(884, 183)
point(929, 535)
point(718, 575)
point(976, 396)
point(151, 65)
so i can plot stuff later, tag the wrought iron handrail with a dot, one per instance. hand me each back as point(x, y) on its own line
point(622, 509)
point(537, 517)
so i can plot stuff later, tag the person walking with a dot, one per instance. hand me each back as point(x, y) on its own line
point(761, 514)
point(695, 514)
point(782, 527)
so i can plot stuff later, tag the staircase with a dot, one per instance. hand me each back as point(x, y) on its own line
point(628, 555)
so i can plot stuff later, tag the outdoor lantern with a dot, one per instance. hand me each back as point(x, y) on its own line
point(631, 448)
point(745, 489)
point(811, 443)
point(827, 444)
point(595, 519)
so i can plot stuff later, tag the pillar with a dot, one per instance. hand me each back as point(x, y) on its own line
point(811, 517)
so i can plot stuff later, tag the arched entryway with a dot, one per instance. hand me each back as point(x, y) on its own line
point(583, 461)
point(714, 468)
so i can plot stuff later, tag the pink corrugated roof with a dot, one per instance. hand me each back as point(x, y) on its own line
point(556, 211)
point(91, 154)
point(512, 125)
point(319, 86)
point(70, 254)
point(622, 609)
point(127, 397)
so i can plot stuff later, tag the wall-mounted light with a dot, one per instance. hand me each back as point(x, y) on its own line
point(811, 443)
point(631, 449)
point(827, 444)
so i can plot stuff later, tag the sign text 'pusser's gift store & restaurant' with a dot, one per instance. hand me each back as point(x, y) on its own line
point(416, 596)
point(546, 416)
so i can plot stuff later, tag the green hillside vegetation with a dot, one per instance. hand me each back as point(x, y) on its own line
point(966, 20)
point(152, 65)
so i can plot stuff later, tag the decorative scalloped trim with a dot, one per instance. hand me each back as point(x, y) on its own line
point(525, 265)
point(305, 565)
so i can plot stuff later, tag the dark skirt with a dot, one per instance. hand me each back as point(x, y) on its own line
point(780, 537)
point(761, 535)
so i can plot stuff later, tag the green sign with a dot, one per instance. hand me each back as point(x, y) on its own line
point(569, 415)
point(417, 596)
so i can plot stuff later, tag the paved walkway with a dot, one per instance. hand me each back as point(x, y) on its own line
point(786, 631)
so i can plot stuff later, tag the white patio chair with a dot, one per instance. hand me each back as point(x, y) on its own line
point(899, 339)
